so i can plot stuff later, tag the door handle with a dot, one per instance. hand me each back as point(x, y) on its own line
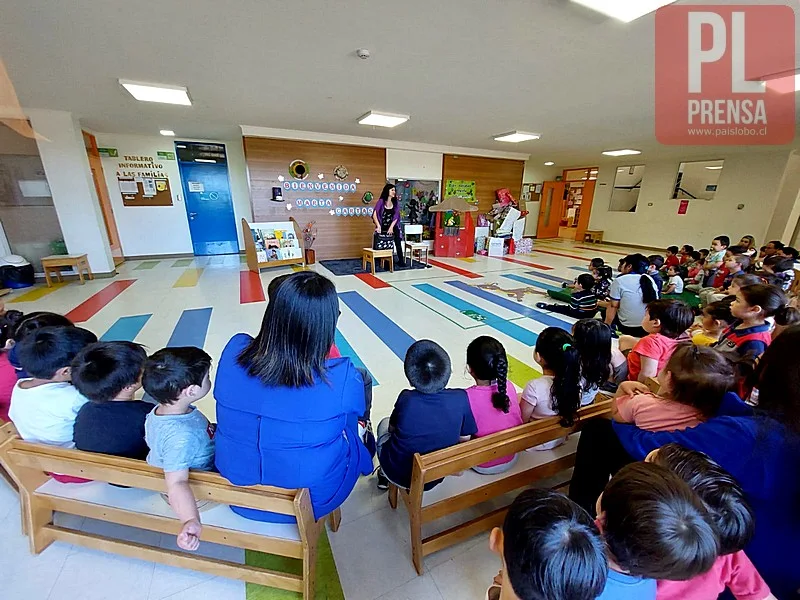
point(192, 215)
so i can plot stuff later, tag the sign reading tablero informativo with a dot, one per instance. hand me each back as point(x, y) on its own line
point(725, 75)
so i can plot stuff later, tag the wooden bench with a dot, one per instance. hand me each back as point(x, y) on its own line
point(593, 235)
point(79, 262)
point(456, 494)
point(142, 506)
point(368, 255)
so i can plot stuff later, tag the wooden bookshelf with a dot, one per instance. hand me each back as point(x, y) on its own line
point(251, 252)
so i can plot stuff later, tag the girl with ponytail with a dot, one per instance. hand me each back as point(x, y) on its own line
point(630, 293)
point(493, 400)
point(559, 391)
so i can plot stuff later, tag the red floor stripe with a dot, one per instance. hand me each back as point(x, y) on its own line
point(250, 288)
point(453, 269)
point(526, 263)
point(91, 306)
point(372, 281)
point(583, 258)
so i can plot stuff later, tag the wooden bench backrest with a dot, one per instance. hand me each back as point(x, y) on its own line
point(452, 460)
point(137, 473)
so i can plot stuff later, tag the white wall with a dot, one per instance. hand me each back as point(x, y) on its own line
point(66, 165)
point(536, 172)
point(411, 164)
point(154, 230)
point(749, 178)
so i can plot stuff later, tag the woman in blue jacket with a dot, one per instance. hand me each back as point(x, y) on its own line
point(286, 416)
point(760, 448)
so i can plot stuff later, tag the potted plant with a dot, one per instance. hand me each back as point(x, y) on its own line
point(309, 235)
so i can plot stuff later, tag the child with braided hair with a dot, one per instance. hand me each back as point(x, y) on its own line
point(493, 401)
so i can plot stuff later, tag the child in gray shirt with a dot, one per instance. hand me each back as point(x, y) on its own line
point(179, 436)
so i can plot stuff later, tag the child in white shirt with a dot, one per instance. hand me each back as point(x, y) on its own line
point(44, 406)
point(674, 281)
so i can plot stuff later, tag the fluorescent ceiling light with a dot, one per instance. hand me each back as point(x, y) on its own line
point(549, 163)
point(515, 137)
point(714, 168)
point(623, 152)
point(624, 10)
point(205, 160)
point(382, 119)
point(168, 132)
point(153, 92)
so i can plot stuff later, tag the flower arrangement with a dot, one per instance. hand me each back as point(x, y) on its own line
point(310, 234)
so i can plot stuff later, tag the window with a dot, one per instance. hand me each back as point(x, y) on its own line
point(697, 180)
point(627, 183)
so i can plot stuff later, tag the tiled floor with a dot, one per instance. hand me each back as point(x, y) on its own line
point(372, 548)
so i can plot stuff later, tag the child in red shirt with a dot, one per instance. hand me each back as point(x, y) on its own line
point(672, 260)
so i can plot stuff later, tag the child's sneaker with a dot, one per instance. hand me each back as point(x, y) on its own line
point(383, 481)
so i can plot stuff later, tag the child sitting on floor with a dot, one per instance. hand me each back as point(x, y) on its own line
point(179, 436)
point(715, 318)
point(692, 385)
point(664, 321)
point(582, 303)
point(493, 401)
point(750, 333)
point(109, 374)
point(655, 528)
point(560, 391)
point(735, 522)
point(426, 418)
point(686, 254)
point(716, 258)
point(601, 362)
point(673, 258)
point(674, 283)
point(654, 270)
point(44, 406)
point(550, 548)
point(602, 283)
point(779, 270)
point(735, 265)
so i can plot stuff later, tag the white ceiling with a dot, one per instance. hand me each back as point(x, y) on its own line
point(463, 69)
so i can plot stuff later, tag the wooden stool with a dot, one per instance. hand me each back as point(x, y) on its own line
point(593, 235)
point(418, 248)
point(79, 262)
point(368, 255)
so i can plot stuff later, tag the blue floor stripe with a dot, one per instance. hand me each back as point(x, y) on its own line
point(582, 269)
point(533, 282)
point(191, 328)
point(347, 350)
point(544, 319)
point(387, 330)
point(125, 329)
point(549, 277)
point(513, 330)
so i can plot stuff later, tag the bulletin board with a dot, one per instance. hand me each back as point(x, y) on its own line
point(460, 189)
point(145, 191)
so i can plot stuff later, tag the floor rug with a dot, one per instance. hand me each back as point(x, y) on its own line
point(328, 585)
point(351, 266)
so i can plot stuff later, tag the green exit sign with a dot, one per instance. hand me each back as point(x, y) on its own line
point(166, 155)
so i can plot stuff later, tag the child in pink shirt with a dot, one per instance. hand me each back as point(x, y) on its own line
point(693, 383)
point(8, 374)
point(664, 321)
point(735, 523)
point(493, 401)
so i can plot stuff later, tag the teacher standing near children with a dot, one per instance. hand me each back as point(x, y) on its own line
point(387, 219)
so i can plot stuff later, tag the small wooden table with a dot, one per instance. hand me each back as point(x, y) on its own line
point(368, 255)
point(418, 248)
point(593, 235)
point(79, 262)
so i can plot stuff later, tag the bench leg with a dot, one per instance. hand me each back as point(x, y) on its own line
point(80, 273)
point(335, 519)
point(393, 496)
point(47, 277)
point(363, 262)
point(372, 263)
point(416, 541)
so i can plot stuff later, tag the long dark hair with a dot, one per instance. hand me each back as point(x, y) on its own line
point(487, 359)
point(385, 192)
point(593, 341)
point(296, 334)
point(777, 378)
point(381, 205)
point(638, 264)
point(558, 351)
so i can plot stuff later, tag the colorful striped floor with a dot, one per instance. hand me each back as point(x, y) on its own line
point(204, 301)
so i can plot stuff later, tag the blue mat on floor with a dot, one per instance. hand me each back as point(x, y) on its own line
point(351, 266)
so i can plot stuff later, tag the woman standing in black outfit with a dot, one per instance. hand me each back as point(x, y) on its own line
point(387, 219)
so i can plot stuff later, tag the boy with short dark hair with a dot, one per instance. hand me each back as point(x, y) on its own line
point(654, 270)
point(673, 258)
point(735, 265)
point(582, 302)
point(109, 374)
point(719, 245)
point(790, 252)
point(180, 438)
point(550, 548)
point(44, 406)
point(426, 418)
point(655, 527)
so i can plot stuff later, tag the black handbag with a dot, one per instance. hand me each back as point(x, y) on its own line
point(382, 241)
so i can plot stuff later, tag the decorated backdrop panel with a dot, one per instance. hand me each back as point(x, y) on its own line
point(489, 174)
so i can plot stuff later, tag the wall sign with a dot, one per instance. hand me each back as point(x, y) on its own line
point(460, 189)
point(165, 155)
point(143, 182)
point(683, 207)
point(108, 152)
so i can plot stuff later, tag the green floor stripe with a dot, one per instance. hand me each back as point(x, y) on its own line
point(242, 259)
point(328, 585)
point(183, 262)
point(519, 373)
point(149, 264)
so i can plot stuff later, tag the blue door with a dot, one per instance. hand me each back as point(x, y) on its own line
point(209, 208)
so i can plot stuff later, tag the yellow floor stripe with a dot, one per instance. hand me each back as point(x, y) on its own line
point(519, 373)
point(297, 268)
point(188, 278)
point(37, 293)
point(468, 259)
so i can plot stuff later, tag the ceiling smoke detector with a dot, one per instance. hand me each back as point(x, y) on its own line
point(362, 53)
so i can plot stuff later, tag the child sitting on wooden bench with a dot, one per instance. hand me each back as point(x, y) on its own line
point(179, 436)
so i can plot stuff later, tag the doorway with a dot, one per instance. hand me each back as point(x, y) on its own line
point(550, 209)
point(567, 204)
point(207, 190)
point(96, 166)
